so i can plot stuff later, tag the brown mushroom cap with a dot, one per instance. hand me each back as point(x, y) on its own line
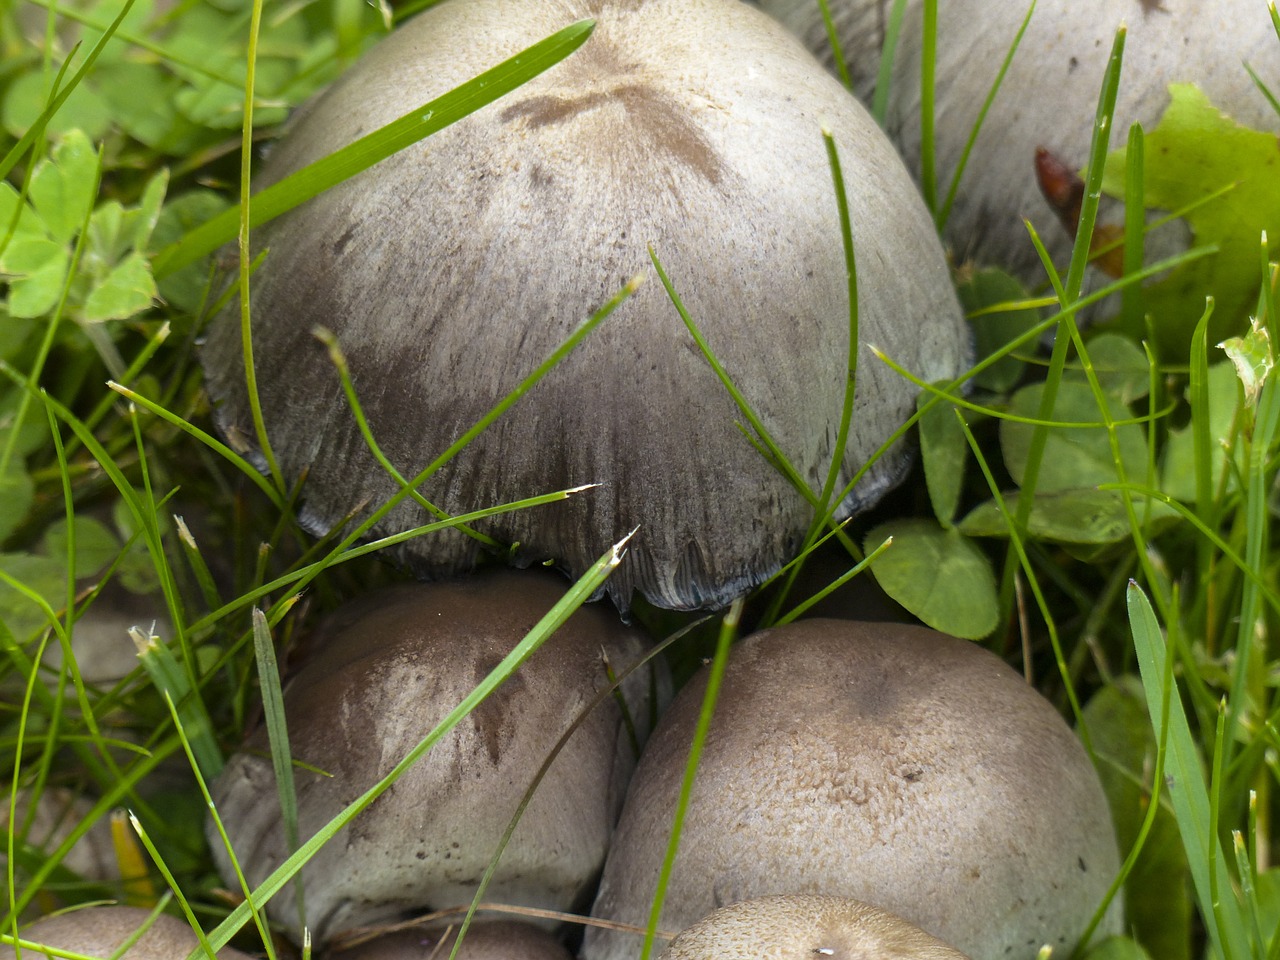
point(449, 271)
point(805, 928)
point(883, 762)
point(485, 940)
point(100, 931)
point(388, 669)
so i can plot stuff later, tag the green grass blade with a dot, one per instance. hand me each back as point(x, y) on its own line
point(1102, 123)
point(174, 886)
point(339, 360)
point(833, 38)
point(1257, 539)
point(382, 143)
point(928, 107)
point(1131, 299)
point(884, 75)
point(1185, 780)
point(172, 681)
point(728, 631)
point(1068, 293)
point(801, 608)
point(826, 507)
point(278, 738)
point(942, 215)
point(243, 261)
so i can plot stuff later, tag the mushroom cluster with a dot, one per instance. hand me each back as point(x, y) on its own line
point(450, 270)
point(447, 273)
point(1049, 96)
point(882, 762)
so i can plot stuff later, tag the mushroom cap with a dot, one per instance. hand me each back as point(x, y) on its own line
point(485, 940)
point(1050, 94)
point(387, 669)
point(805, 927)
point(99, 931)
point(450, 270)
point(883, 762)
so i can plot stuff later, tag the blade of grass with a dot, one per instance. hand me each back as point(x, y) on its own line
point(1185, 780)
point(1257, 491)
point(833, 38)
point(260, 922)
point(801, 608)
point(1153, 807)
point(409, 129)
point(824, 509)
point(884, 76)
point(762, 439)
point(278, 738)
point(1131, 299)
point(176, 889)
point(1068, 293)
point(1018, 547)
point(928, 107)
point(172, 681)
point(339, 361)
point(296, 579)
point(728, 632)
point(943, 214)
point(822, 513)
point(245, 258)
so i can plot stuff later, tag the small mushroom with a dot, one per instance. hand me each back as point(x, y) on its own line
point(883, 762)
point(101, 931)
point(1050, 94)
point(385, 671)
point(485, 940)
point(805, 928)
point(450, 270)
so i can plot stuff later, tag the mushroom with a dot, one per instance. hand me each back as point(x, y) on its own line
point(101, 931)
point(386, 670)
point(805, 928)
point(883, 762)
point(1050, 94)
point(485, 940)
point(450, 270)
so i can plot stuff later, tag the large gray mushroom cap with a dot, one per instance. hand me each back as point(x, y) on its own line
point(389, 668)
point(1050, 94)
point(882, 762)
point(100, 931)
point(450, 270)
point(805, 928)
